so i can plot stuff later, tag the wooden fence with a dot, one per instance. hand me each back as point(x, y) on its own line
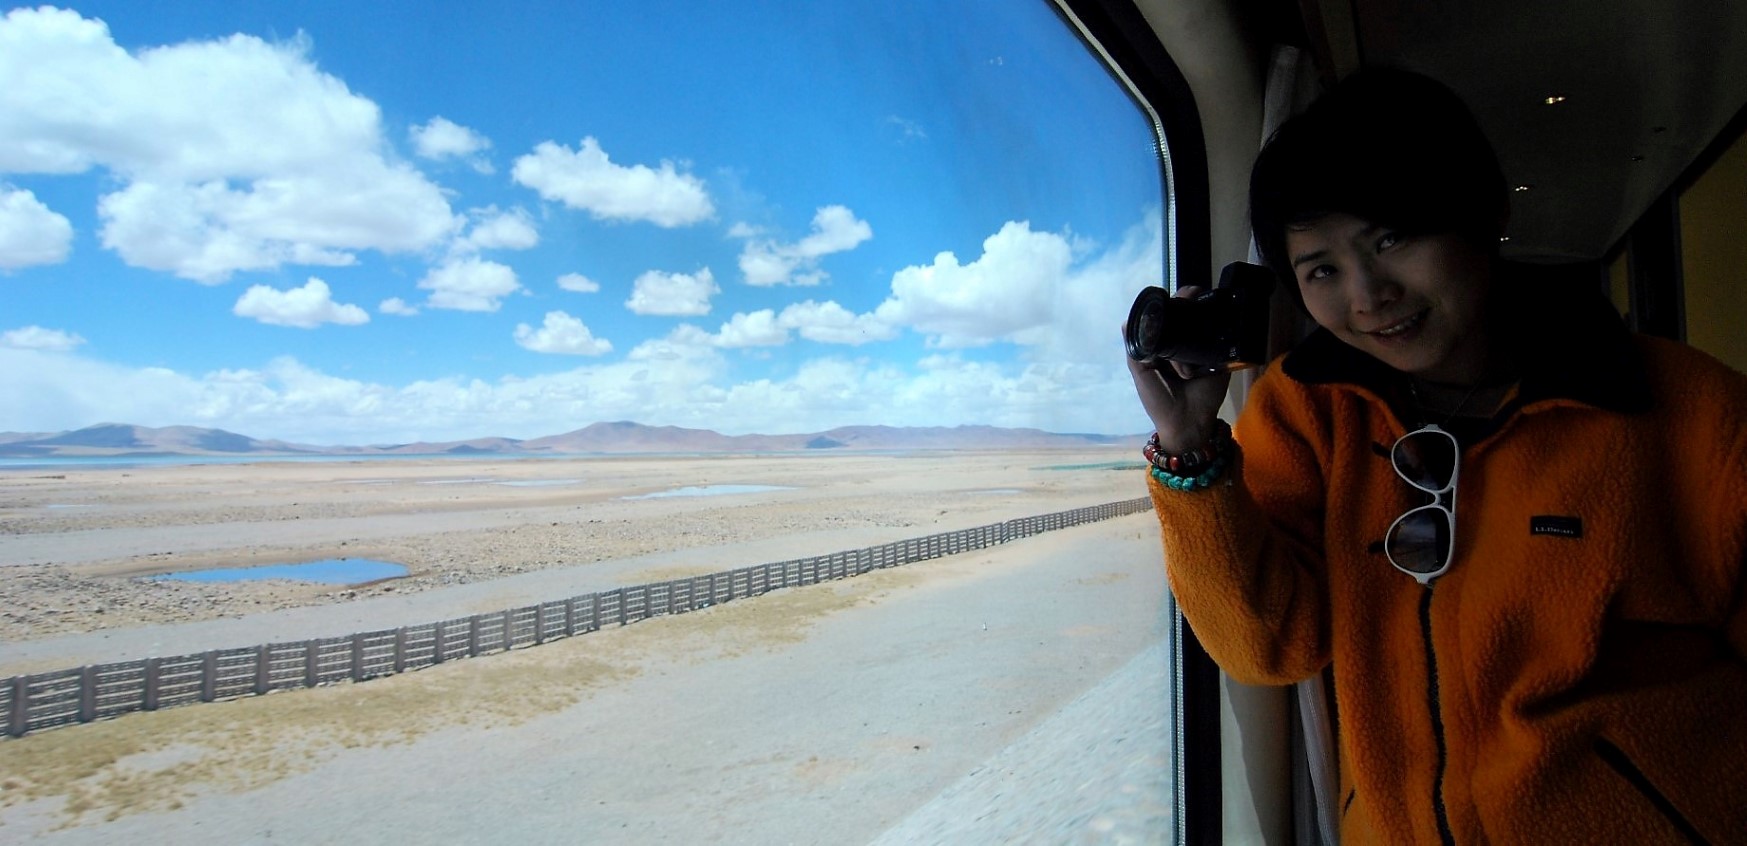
point(79, 695)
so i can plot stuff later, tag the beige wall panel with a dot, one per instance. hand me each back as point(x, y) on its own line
point(1713, 246)
point(1619, 282)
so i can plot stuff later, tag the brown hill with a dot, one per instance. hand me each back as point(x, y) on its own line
point(116, 439)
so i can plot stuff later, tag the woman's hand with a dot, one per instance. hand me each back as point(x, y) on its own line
point(1181, 402)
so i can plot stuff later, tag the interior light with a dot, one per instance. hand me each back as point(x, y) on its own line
point(1554, 99)
point(1522, 188)
point(1503, 238)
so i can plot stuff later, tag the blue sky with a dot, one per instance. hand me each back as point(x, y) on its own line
point(366, 223)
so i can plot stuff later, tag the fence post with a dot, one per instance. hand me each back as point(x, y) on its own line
point(400, 650)
point(357, 657)
point(311, 663)
point(439, 634)
point(539, 624)
point(263, 668)
point(594, 612)
point(209, 676)
point(569, 616)
point(150, 702)
point(473, 636)
point(508, 633)
point(20, 718)
point(87, 693)
point(622, 610)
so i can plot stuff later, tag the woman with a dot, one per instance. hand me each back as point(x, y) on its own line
point(1515, 530)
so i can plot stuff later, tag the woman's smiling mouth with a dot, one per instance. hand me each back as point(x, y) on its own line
point(1400, 329)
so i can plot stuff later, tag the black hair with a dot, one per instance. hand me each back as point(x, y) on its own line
point(1388, 146)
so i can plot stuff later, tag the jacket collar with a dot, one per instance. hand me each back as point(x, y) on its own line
point(1571, 347)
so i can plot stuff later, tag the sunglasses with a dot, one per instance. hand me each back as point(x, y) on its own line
point(1422, 542)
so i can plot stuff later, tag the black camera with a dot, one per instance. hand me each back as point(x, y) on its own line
point(1225, 328)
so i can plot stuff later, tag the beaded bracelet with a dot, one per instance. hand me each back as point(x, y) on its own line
point(1194, 461)
point(1195, 469)
point(1191, 483)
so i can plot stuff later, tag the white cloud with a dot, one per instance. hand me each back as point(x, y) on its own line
point(397, 306)
point(835, 229)
point(232, 153)
point(469, 284)
point(830, 323)
point(586, 179)
point(1008, 290)
point(38, 338)
point(908, 130)
point(579, 283)
point(304, 308)
point(827, 323)
point(742, 229)
point(1068, 378)
point(498, 230)
point(686, 342)
point(758, 329)
point(441, 139)
point(670, 381)
point(561, 334)
point(1088, 306)
point(673, 294)
point(30, 233)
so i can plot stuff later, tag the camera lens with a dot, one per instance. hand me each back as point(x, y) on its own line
point(1147, 323)
point(1226, 327)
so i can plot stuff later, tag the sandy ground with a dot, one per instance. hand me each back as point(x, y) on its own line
point(74, 543)
point(827, 714)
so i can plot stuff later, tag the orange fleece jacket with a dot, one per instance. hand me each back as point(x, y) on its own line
point(1548, 688)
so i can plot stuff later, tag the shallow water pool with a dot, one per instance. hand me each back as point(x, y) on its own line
point(331, 571)
point(710, 490)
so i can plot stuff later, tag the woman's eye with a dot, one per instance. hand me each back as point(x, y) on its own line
point(1388, 240)
point(1321, 271)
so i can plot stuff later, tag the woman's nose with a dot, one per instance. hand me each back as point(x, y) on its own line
point(1372, 288)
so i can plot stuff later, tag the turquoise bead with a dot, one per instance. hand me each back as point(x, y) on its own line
point(1191, 483)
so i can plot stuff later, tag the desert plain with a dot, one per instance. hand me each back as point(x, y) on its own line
point(934, 701)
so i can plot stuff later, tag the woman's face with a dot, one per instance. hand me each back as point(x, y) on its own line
point(1416, 303)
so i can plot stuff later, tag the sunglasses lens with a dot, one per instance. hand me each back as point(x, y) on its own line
point(1426, 459)
point(1420, 541)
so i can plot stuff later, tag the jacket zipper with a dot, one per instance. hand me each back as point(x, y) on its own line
point(1617, 759)
point(1425, 627)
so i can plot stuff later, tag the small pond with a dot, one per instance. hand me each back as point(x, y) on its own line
point(331, 571)
point(1106, 465)
point(710, 490)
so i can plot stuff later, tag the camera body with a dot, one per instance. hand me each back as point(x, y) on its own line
point(1225, 328)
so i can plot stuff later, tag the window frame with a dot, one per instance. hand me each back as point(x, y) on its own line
point(1123, 38)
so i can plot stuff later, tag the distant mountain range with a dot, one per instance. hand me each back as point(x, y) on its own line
point(117, 439)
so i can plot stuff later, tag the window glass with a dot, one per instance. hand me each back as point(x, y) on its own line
point(283, 280)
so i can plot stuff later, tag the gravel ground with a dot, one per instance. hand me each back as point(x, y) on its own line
point(1005, 695)
point(76, 547)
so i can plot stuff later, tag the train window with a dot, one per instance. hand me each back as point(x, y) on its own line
point(543, 299)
